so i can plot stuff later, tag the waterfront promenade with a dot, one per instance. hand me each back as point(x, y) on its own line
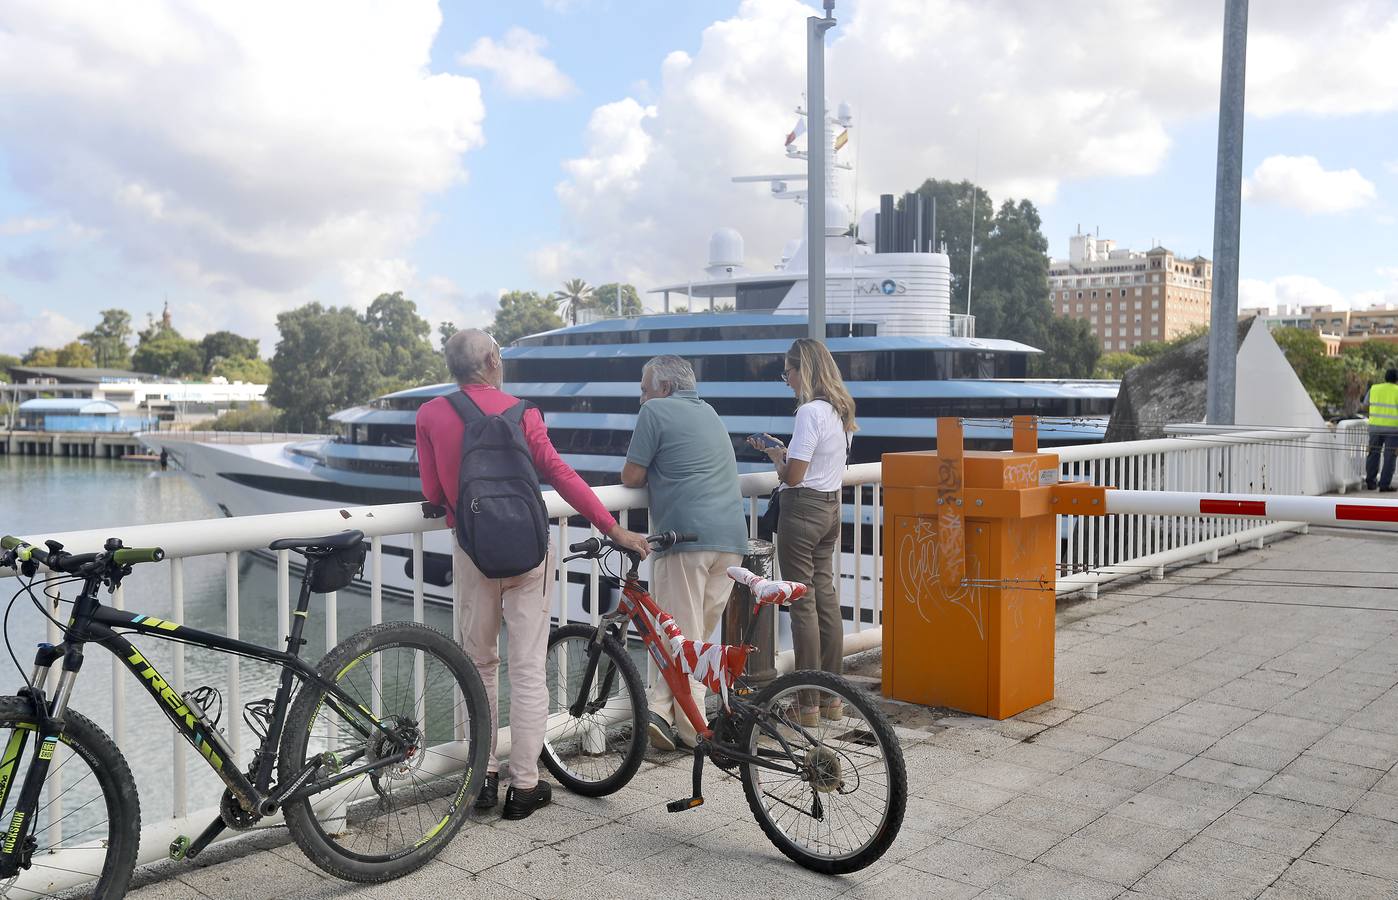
point(1231, 731)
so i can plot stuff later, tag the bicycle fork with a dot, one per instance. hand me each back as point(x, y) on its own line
point(17, 845)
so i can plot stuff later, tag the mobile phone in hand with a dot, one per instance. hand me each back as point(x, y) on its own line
point(764, 441)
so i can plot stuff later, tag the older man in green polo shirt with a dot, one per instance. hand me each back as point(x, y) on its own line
point(682, 452)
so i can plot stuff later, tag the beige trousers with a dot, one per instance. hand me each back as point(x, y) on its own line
point(808, 537)
point(523, 603)
point(693, 588)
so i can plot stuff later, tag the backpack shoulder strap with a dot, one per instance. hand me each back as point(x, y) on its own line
point(515, 414)
point(465, 407)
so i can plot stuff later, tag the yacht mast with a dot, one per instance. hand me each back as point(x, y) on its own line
point(815, 169)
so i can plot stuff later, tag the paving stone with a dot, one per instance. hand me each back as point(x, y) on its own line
point(1141, 706)
point(1245, 778)
point(1281, 732)
point(1379, 805)
point(1007, 776)
point(932, 817)
point(1081, 792)
point(1239, 752)
point(981, 798)
point(1093, 860)
point(1143, 756)
point(1354, 745)
point(1257, 867)
point(1155, 841)
point(965, 863)
point(1217, 798)
point(905, 883)
point(1047, 715)
point(1352, 851)
point(1040, 757)
point(1173, 737)
point(1073, 739)
point(1006, 835)
point(1153, 809)
point(1094, 722)
point(1251, 694)
point(1055, 815)
point(1306, 816)
point(1036, 881)
point(1274, 837)
point(1184, 881)
point(1117, 774)
point(1306, 880)
point(546, 872)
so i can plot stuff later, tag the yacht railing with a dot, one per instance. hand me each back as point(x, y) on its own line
point(963, 326)
point(1091, 551)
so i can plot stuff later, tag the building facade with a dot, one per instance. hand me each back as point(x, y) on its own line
point(1130, 297)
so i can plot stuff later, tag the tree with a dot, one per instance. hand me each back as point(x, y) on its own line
point(252, 371)
point(1116, 365)
point(1071, 349)
point(402, 343)
point(226, 345)
point(604, 299)
point(108, 340)
point(444, 332)
point(324, 362)
point(6, 363)
point(523, 313)
point(76, 355)
point(954, 209)
point(575, 295)
point(1321, 375)
point(40, 356)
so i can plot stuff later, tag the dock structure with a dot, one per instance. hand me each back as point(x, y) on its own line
point(73, 444)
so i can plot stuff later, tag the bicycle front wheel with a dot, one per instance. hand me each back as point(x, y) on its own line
point(88, 822)
point(595, 742)
point(835, 799)
point(419, 782)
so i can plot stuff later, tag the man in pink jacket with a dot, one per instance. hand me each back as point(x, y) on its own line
point(473, 358)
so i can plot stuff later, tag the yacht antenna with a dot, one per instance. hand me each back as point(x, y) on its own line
point(971, 263)
point(816, 150)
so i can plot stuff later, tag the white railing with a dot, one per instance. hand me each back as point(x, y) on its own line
point(234, 437)
point(1091, 551)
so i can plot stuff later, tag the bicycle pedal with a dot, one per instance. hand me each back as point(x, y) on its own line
point(684, 804)
point(178, 847)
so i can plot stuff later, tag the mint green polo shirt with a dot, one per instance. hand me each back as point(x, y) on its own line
point(691, 472)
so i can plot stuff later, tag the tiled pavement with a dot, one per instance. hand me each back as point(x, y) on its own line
point(1231, 731)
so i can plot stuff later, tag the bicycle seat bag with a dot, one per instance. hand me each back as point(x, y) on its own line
point(501, 522)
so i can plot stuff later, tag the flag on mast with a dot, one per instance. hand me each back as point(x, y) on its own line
point(796, 132)
point(842, 139)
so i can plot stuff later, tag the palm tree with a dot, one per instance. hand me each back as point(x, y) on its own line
point(576, 294)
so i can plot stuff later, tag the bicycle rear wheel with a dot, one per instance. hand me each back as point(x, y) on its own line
point(88, 823)
point(387, 822)
point(844, 805)
point(598, 751)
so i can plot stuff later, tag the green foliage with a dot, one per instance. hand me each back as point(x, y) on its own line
point(225, 345)
point(575, 295)
point(76, 355)
point(108, 341)
point(1071, 350)
point(164, 351)
point(259, 417)
point(6, 362)
point(523, 313)
point(325, 361)
point(253, 371)
point(604, 299)
point(40, 356)
point(954, 201)
point(401, 342)
point(444, 332)
point(1116, 365)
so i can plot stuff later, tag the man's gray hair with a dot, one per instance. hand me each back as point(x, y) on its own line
point(466, 353)
point(677, 372)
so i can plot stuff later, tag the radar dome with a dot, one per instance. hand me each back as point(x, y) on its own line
point(836, 218)
point(725, 248)
point(868, 225)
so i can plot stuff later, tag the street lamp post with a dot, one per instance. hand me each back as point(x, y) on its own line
point(816, 151)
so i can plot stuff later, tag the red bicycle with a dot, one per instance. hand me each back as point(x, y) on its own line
point(821, 767)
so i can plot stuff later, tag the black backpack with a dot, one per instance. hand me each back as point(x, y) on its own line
point(501, 522)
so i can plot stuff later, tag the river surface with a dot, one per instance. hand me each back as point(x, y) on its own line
point(43, 496)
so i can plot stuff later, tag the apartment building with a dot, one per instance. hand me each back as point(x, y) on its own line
point(1130, 297)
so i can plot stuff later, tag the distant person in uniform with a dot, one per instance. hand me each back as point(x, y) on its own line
point(164, 459)
point(1382, 406)
point(522, 602)
point(682, 452)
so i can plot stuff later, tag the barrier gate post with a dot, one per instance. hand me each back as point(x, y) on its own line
point(969, 576)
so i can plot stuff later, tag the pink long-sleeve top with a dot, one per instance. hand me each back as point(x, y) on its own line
point(439, 431)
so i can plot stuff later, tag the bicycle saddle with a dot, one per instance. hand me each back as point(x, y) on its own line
point(341, 541)
point(780, 593)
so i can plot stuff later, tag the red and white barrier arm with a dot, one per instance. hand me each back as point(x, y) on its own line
point(1281, 508)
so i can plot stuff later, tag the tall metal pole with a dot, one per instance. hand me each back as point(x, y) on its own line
point(815, 170)
point(1228, 200)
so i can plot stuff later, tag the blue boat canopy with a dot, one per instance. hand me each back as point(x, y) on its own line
point(68, 406)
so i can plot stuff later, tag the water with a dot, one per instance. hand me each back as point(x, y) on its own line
point(41, 496)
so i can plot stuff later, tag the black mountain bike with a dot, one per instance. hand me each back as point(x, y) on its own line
point(373, 757)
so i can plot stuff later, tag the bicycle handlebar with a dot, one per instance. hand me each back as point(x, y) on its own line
point(110, 561)
point(663, 541)
point(131, 555)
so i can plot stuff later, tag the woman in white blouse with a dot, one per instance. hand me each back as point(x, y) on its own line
point(808, 530)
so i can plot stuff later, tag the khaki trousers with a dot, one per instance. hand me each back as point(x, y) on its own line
point(693, 588)
point(808, 536)
point(523, 603)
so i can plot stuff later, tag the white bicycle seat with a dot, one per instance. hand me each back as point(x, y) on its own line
point(780, 593)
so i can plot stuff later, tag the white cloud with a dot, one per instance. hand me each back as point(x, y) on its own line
point(1294, 291)
point(519, 65)
point(1300, 182)
point(239, 151)
point(25, 225)
point(1025, 95)
point(1391, 166)
point(33, 326)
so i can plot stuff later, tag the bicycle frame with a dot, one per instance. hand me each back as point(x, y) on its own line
point(94, 623)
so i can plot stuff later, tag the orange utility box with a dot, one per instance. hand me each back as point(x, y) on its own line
point(969, 577)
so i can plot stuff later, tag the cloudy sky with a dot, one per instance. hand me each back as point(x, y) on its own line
point(240, 159)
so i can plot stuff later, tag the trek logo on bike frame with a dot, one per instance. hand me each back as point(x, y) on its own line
point(158, 686)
